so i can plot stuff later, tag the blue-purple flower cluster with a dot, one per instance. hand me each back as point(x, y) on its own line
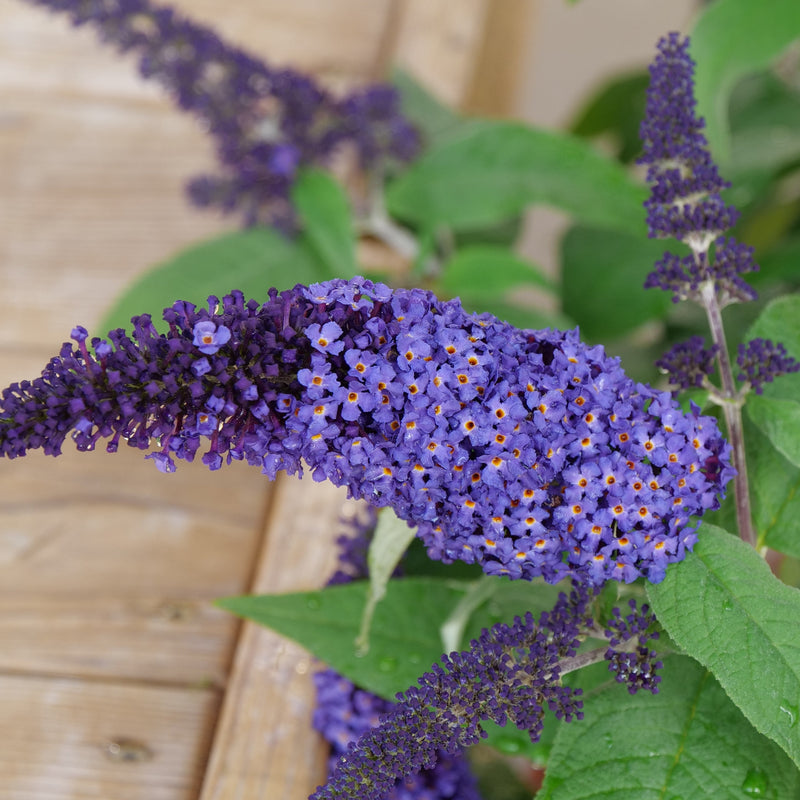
point(527, 452)
point(510, 674)
point(266, 122)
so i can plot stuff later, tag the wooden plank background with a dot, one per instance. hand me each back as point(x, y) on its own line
point(118, 677)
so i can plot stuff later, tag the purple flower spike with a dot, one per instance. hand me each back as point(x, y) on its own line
point(761, 361)
point(208, 338)
point(510, 674)
point(526, 452)
point(685, 201)
point(265, 122)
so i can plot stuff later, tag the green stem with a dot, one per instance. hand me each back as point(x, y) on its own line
point(731, 402)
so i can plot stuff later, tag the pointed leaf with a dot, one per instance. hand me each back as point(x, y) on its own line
point(688, 741)
point(774, 493)
point(327, 221)
point(404, 641)
point(389, 543)
point(252, 261)
point(725, 608)
point(494, 171)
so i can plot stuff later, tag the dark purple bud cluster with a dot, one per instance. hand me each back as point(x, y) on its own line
point(266, 122)
point(761, 361)
point(510, 673)
point(527, 452)
point(345, 712)
point(685, 201)
point(688, 363)
point(637, 668)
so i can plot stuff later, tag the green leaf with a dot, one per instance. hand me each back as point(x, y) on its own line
point(725, 608)
point(780, 322)
point(774, 494)
point(404, 642)
point(730, 39)
point(327, 221)
point(779, 421)
point(389, 543)
point(779, 264)
point(482, 270)
point(616, 109)
point(765, 125)
point(436, 121)
point(688, 741)
point(252, 261)
point(491, 173)
point(603, 281)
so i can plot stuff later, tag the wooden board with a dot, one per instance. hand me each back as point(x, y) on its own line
point(98, 740)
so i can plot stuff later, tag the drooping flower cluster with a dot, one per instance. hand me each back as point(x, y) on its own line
point(524, 451)
point(266, 122)
point(685, 204)
point(344, 712)
point(510, 674)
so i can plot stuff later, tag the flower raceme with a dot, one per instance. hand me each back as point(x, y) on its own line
point(266, 122)
point(527, 452)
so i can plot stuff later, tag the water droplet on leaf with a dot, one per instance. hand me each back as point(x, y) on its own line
point(415, 658)
point(727, 605)
point(755, 783)
point(313, 603)
point(387, 664)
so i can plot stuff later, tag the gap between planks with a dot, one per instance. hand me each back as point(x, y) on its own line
point(264, 746)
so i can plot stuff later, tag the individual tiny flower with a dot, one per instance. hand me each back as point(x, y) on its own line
point(688, 364)
point(761, 361)
point(470, 429)
point(208, 337)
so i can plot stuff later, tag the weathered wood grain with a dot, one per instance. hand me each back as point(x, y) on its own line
point(263, 745)
point(98, 740)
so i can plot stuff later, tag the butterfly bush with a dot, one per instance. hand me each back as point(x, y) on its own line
point(527, 452)
point(266, 122)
